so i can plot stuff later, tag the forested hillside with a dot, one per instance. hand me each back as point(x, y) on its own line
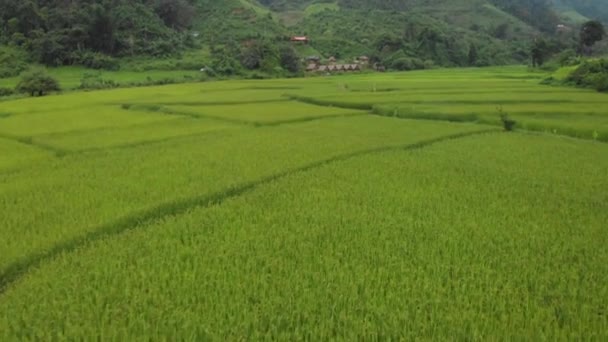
point(595, 9)
point(401, 34)
point(537, 13)
point(84, 31)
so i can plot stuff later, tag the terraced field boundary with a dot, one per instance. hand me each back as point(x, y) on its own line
point(395, 112)
point(58, 152)
point(201, 103)
point(16, 270)
point(154, 108)
point(328, 103)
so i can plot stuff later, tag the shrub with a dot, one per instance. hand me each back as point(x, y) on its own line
point(12, 62)
point(592, 74)
point(6, 92)
point(507, 122)
point(37, 82)
point(601, 82)
point(98, 61)
point(568, 58)
point(406, 63)
point(402, 64)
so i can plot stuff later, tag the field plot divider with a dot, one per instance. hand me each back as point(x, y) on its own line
point(326, 103)
point(16, 270)
point(57, 152)
point(163, 109)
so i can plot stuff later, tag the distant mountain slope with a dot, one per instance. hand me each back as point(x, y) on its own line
point(537, 13)
point(402, 33)
point(592, 9)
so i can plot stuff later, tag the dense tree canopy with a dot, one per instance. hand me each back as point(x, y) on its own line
point(592, 32)
point(58, 32)
point(244, 34)
point(594, 9)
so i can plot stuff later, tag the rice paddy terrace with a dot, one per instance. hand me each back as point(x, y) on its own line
point(386, 206)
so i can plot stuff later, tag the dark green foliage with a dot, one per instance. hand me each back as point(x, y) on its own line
point(538, 13)
point(95, 60)
point(13, 61)
point(550, 53)
point(177, 14)
point(401, 34)
point(591, 74)
point(407, 63)
point(507, 122)
point(388, 36)
point(6, 92)
point(568, 58)
point(591, 33)
point(37, 82)
point(225, 65)
point(226, 21)
point(58, 32)
point(590, 8)
point(473, 55)
point(501, 31)
point(289, 59)
point(260, 54)
point(539, 52)
point(601, 82)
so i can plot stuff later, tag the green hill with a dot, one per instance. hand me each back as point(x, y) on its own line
point(402, 34)
point(581, 10)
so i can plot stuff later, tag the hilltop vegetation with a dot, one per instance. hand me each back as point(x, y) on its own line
point(233, 37)
point(85, 31)
point(593, 9)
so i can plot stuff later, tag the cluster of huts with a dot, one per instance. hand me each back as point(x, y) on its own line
point(315, 65)
point(333, 68)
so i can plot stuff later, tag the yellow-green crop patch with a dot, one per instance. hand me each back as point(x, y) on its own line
point(417, 244)
point(131, 135)
point(116, 187)
point(350, 207)
point(264, 113)
point(218, 97)
point(15, 154)
point(75, 120)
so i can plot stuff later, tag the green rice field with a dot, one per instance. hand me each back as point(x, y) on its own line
point(71, 77)
point(355, 207)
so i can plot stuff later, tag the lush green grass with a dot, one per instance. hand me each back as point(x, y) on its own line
point(264, 113)
point(15, 154)
point(289, 209)
point(70, 77)
point(132, 177)
point(475, 96)
point(464, 240)
point(126, 136)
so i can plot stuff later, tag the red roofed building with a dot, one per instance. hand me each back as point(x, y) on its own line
point(300, 39)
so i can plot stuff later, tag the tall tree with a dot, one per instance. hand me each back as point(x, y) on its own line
point(591, 32)
point(540, 50)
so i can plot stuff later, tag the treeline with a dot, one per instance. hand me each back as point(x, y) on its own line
point(60, 32)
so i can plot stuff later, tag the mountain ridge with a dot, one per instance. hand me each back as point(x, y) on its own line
point(401, 33)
